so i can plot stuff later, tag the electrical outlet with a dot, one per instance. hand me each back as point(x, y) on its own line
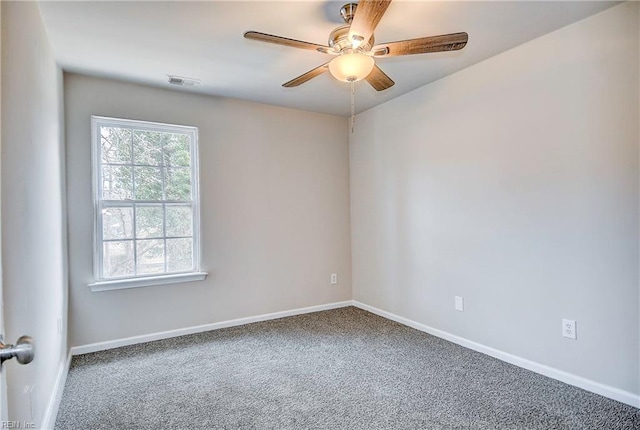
point(459, 303)
point(59, 325)
point(569, 329)
point(334, 278)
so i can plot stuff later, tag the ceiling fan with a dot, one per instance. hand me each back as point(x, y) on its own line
point(354, 48)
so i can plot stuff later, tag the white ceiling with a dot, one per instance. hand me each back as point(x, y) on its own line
point(145, 41)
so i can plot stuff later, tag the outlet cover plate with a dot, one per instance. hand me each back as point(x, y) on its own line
point(459, 303)
point(569, 329)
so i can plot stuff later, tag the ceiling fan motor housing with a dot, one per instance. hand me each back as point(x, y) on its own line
point(339, 40)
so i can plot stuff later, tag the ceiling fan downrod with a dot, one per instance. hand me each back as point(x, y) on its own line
point(348, 11)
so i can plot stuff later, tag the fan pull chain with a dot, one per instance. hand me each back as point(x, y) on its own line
point(353, 105)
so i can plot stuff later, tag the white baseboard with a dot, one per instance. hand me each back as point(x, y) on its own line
point(560, 375)
point(101, 346)
point(51, 413)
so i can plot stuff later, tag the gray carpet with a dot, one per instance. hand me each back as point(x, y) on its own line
point(339, 369)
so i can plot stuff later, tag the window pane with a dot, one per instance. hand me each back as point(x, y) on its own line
point(117, 259)
point(149, 222)
point(117, 223)
point(115, 145)
point(147, 147)
point(148, 182)
point(116, 183)
point(179, 255)
point(177, 150)
point(179, 220)
point(178, 183)
point(150, 255)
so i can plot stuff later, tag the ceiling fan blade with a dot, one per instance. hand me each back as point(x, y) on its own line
point(278, 40)
point(307, 76)
point(379, 79)
point(368, 15)
point(423, 45)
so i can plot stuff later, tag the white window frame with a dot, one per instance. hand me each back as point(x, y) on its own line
point(104, 284)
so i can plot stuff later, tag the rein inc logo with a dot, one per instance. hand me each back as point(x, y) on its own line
point(17, 425)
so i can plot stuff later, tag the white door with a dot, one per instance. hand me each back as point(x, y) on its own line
point(3, 382)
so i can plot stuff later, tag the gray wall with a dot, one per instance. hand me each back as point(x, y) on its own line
point(513, 183)
point(275, 211)
point(33, 207)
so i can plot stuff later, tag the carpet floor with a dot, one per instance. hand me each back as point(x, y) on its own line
point(339, 369)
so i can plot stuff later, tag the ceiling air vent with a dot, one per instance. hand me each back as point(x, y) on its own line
point(182, 81)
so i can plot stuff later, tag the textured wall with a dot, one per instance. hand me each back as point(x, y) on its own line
point(33, 209)
point(513, 183)
point(274, 185)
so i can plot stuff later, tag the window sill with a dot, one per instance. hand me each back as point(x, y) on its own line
point(120, 284)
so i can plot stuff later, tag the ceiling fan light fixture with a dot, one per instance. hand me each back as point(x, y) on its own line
point(351, 67)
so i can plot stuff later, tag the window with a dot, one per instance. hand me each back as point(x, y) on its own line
point(146, 203)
